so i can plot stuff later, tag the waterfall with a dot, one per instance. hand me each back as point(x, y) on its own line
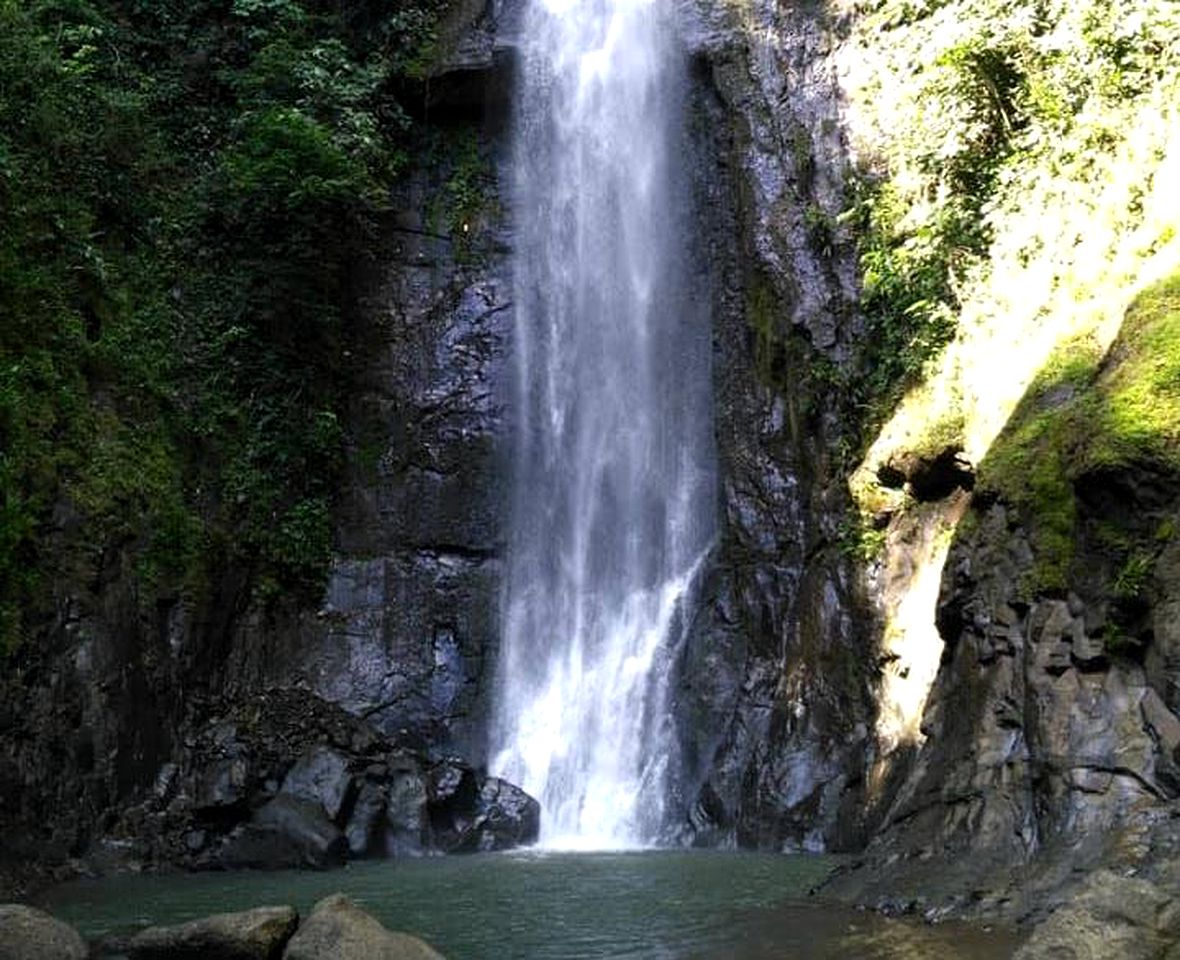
point(612, 497)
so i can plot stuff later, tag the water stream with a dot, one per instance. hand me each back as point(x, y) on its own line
point(612, 509)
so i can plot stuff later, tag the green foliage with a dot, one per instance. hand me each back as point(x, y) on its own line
point(907, 295)
point(984, 108)
point(1132, 577)
point(464, 203)
point(859, 538)
point(821, 229)
point(185, 189)
point(1085, 414)
point(1138, 418)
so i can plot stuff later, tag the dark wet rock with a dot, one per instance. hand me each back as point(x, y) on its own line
point(319, 786)
point(451, 785)
point(320, 776)
point(774, 699)
point(407, 820)
point(220, 787)
point(29, 934)
point(469, 813)
point(453, 805)
point(258, 934)
point(363, 830)
point(338, 929)
point(510, 817)
point(286, 833)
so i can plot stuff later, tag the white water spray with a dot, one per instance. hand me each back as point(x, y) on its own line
point(613, 477)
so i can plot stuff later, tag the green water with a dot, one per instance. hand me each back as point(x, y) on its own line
point(549, 906)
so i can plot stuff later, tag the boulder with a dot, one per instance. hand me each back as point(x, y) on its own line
point(221, 786)
point(28, 934)
point(320, 775)
point(287, 833)
point(257, 934)
point(470, 813)
point(508, 817)
point(339, 930)
point(452, 796)
point(452, 784)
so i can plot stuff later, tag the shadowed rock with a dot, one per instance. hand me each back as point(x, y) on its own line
point(287, 833)
point(469, 816)
point(320, 776)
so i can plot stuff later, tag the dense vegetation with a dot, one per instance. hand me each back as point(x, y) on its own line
point(986, 118)
point(185, 191)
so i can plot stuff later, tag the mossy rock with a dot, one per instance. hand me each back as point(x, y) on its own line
point(1090, 420)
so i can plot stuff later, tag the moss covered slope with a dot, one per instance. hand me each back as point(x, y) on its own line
point(1087, 415)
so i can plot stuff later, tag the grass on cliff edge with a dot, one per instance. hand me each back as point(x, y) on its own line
point(1086, 413)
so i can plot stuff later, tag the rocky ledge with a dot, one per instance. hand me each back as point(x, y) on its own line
point(286, 780)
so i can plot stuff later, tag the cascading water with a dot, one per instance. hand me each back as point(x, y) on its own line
point(613, 479)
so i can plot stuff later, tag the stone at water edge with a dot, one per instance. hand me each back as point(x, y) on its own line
point(287, 833)
point(1110, 918)
point(471, 813)
point(28, 934)
point(340, 930)
point(508, 816)
point(258, 934)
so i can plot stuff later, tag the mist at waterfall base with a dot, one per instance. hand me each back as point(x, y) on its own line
point(613, 476)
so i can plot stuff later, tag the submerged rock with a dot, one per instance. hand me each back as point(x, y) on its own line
point(257, 934)
point(28, 934)
point(339, 930)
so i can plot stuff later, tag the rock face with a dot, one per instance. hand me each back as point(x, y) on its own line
point(257, 934)
point(406, 633)
point(1052, 726)
point(28, 934)
point(339, 930)
point(775, 701)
